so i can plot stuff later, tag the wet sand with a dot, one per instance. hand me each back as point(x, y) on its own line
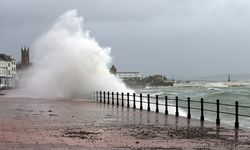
point(29, 123)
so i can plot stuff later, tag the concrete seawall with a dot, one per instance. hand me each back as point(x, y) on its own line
point(28, 123)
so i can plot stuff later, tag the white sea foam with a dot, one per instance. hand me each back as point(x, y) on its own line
point(70, 63)
point(214, 84)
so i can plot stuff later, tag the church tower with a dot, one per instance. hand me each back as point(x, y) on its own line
point(25, 56)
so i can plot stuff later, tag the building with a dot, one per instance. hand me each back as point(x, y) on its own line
point(125, 75)
point(136, 81)
point(113, 70)
point(24, 66)
point(129, 75)
point(7, 71)
point(25, 59)
point(25, 62)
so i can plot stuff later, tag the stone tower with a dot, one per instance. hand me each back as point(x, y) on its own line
point(25, 56)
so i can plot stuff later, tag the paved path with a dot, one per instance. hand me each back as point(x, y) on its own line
point(31, 123)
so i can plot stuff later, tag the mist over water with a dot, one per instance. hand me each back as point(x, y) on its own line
point(70, 63)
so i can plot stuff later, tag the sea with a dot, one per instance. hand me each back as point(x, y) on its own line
point(210, 91)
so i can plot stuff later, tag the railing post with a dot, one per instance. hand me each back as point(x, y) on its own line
point(176, 105)
point(141, 107)
point(148, 102)
point(166, 105)
point(100, 96)
point(113, 98)
point(128, 100)
point(237, 114)
point(122, 99)
point(104, 97)
point(96, 96)
point(218, 112)
point(157, 104)
point(117, 98)
point(134, 106)
point(202, 110)
point(93, 94)
point(189, 113)
point(108, 97)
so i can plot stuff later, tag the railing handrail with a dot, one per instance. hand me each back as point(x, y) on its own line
point(104, 96)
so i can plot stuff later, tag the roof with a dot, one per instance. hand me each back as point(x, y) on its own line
point(5, 57)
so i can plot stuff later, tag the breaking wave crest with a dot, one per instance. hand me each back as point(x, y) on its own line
point(70, 63)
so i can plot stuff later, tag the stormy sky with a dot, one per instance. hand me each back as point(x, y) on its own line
point(171, 37)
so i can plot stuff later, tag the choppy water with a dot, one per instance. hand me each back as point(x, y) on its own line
point(226, 92)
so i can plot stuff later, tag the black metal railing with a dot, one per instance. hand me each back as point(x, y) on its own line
point(103, 97)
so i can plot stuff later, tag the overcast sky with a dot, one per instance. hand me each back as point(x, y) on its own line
point(171, 37)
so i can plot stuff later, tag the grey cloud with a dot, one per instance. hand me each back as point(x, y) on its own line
point(191, 37)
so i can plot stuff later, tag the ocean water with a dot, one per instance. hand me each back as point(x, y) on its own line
point(210, 91)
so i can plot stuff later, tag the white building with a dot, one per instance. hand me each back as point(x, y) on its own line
point(7, 71)
point(129, 75)
point(126, 75)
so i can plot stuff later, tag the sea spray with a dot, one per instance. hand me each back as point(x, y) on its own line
point(70, 63)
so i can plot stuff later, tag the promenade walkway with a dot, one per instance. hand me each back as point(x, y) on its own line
point(58, 124)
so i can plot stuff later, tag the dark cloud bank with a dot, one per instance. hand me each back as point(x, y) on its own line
point(193, 38)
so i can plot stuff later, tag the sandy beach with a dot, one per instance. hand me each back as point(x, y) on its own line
point(32, 123)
